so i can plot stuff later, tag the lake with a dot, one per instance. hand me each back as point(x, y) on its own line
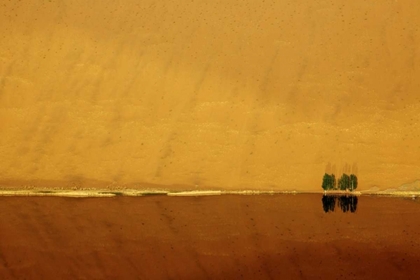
point(211, 237)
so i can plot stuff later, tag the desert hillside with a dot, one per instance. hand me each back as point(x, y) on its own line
point(208, 94)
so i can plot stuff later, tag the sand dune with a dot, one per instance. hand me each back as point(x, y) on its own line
point(208, 94)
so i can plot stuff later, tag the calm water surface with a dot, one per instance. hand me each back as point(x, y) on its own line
point(215, 237)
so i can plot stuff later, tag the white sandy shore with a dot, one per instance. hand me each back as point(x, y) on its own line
point(194, 193)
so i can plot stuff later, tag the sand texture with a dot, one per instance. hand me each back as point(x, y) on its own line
point(208, 94)
point(218, 237)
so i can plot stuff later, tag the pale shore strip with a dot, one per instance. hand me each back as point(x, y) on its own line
point(132, 192)
point(64, 193)
point(80, 193)
point(195, 193)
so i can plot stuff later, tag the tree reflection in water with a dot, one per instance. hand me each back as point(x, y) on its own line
point(345, 202)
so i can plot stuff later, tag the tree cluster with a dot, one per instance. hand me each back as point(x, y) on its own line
point(345, 182)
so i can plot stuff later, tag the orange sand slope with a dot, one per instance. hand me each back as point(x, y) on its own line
point(208, 94)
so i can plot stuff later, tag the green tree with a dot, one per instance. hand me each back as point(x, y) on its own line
point(344, 182)
point(353, 182)
point(334, 182)
point(327, 182)
point(347, 181)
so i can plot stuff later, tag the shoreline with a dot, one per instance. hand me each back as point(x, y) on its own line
point(147, 192)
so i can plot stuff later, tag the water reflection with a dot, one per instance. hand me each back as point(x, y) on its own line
point(345, 202)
